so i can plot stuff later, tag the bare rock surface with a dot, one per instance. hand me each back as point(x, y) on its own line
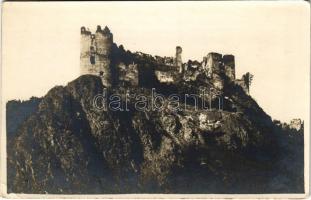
point(67, 146)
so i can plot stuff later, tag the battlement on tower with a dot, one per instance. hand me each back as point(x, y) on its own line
point(85, 31)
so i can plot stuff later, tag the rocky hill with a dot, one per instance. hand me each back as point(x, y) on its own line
point(65, 145)
point(17, 112)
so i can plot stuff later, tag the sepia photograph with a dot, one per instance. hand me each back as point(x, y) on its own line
point(174, 99)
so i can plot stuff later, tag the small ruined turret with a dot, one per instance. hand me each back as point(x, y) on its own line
point(85, 48)
point(178, 60)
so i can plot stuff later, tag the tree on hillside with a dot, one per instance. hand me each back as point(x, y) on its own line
point(248, 78)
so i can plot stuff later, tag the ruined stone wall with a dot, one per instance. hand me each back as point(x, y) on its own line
point(169, 61)
point(229, 66)
point(217, 81)
point(296, 124)
point(212, 63)
point(85, 53)
point(216, 63)
point(95, 52)
point(168, 67)
point(95, 59)
point(212, 66)
point(128, 74)
point(164, 77)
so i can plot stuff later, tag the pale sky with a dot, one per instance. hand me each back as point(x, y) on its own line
point(269, 39)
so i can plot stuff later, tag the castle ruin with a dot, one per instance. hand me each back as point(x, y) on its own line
point(95, 59)
point(95, 50)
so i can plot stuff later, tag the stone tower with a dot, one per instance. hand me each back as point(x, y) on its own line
point(178, 60)
point(229, 66)
point(95, 52)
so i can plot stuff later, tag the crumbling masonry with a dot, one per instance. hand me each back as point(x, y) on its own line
point(96, 50)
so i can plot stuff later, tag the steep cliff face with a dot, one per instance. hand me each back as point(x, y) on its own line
point(68, 146)
point(17, 112)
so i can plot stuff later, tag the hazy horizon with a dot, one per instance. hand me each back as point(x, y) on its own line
point(268, 39)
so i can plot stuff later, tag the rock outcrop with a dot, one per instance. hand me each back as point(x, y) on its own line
point(68, 146)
